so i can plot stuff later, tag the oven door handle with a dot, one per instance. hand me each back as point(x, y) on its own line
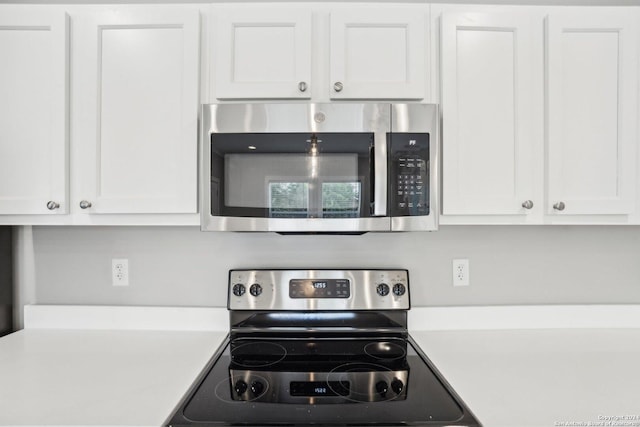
point(379, 172)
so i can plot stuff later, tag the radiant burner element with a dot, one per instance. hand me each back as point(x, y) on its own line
point(307, 347)
point(257, 354)
point(385, 350)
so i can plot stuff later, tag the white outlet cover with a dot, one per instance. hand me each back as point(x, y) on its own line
point(460, 272)
point(120, 272)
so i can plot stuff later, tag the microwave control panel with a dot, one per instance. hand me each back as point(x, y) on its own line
point(409, 174)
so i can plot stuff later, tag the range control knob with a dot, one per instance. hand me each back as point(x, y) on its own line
point(239, 289)
point(255, 289)
point(382, 387)
point(397, 386)
point(399, 289)
point(382, 289)
point(240, 387)
point(257, 388)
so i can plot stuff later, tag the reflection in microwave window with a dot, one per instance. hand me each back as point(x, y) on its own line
point(288, 199)
point(292, 200)
point(340, 199)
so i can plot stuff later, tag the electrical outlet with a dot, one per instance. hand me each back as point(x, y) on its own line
point(120, 272)
point(460, 272)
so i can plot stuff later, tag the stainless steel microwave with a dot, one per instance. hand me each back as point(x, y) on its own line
point(319, 168)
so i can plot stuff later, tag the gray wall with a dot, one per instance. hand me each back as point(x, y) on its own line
point(183, 266)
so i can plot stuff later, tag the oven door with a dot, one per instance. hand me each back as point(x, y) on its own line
point(295, 167)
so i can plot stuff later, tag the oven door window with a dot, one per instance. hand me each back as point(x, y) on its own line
point(292, 175)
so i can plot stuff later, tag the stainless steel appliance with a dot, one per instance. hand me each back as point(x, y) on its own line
point(320, 347)
point(335, 168)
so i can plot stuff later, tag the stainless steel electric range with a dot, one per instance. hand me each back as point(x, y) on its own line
point(322, 347)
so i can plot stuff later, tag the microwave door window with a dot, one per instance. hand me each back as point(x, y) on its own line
point(292, 199)
point(323, 187)
point(293, 175)
point(288, 199)
point(341, 199)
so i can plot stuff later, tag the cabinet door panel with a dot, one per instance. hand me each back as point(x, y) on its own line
point(487, 115)
point(378, 53)
point(140, 125)
point(33, 111)
point(263, 53)
point(592, 73)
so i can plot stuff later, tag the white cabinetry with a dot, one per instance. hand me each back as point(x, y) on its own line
point(33, 110)
point(489, 87)
point(135, 125)
point(378, 52)
point(319, 52)
point(539, 128)
point(262, 52)
point(592, 75)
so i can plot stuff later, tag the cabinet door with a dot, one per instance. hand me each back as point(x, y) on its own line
point(33, 111)
point(591, 112)
point(488, 87)
point(136, 85)
point(262, 53)
point(378, 52)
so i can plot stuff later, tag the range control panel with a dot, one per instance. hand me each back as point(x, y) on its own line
point(310, 290)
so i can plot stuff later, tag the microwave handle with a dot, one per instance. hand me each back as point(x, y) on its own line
point(379, 174)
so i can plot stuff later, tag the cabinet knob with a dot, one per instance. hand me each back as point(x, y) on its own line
point(51, 205)
point(527, 204)
point(559, 206)
point(337, 86)
point(84, 204)
point(302, 86)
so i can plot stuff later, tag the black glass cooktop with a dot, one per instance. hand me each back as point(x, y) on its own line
point(328, 381)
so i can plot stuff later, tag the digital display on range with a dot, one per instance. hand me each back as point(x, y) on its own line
point(319, 288)
point(319, 388)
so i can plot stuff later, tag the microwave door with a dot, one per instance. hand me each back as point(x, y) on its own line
point(320, 182)
point(294, 167)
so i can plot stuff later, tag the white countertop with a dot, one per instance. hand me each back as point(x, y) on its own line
point(546, 377)
point(508, 377)
point(98, 377)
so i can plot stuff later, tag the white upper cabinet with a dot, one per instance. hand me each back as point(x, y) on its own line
point(319, 52)
point(490, 78)
point(592, 75)
point(33, 110)
point(262, 52)
point(378, 52)
point(135, 121)
point(539, 128)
